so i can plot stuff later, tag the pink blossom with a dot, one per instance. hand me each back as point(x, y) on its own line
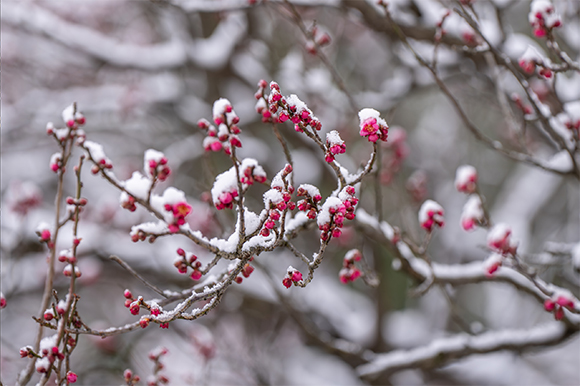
point(71, 377)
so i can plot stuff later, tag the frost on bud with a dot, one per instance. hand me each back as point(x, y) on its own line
point(499, 239)
point(466, 179)
point(334, 145)
point(372, 125)
point(430, 215)
point(543, 18)
point(492, 264)
point(472, 214)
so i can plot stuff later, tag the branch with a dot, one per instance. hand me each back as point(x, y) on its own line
point(441, 351)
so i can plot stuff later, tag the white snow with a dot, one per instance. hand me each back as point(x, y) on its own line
point(333, 138)
point(96, 151)
point(464, 175)
point(68, 114)
point(138, 185)
point(324, 214)
point(429, 206)
point(367, 113)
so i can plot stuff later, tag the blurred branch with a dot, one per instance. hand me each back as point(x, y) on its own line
point(441, 351)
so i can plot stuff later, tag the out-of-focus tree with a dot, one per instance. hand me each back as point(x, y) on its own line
point(389, 191)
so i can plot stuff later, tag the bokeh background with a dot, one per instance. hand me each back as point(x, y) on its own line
point(144, 72)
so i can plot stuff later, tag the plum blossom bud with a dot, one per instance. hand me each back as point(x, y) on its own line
point(2, 300)
point(292, 276)
point(71, 377)
point(466, 179)
point(492, 264)
point(499, 239)
point(55, 162)
point(48, 314)
point(543, 18)
point(43, 231)
point(334, 145)
point(529, 59)
point(472, 214)
point(430, 215)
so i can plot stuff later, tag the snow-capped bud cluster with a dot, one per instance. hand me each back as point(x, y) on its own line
point(43, 231)
point(98, 155)
point(430, 215)
point(187, 259)
point(349, 271)
point(277, 108)
point(225, 135)
point(532, 58)
point(312, 200)
point(398, 151)
point(130, 378)
point(499, 239)
point(26, 352)
point(293, 276)
point(416, 185)
point(134, 305)
point(49, 352)
point(225, 189)
point(72, 118)
point(250, 171)
point(492, 264)
point(278, 199)
point(466, 179)
point(138, 185)
point(246, 272)
point(155, 165)
point(372, 125)
point(558, 302)
point(472, 214)
point(22, 197)
point(334, 211)
point(543, 18)
point(571, 116)
point(69, 269)
point(55, 162)
point(2, 300)
point(174, 207)
point(334, 145)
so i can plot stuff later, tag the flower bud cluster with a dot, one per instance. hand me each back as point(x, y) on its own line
point(130, 378)
point(543, 18)
point(278, 199)
point(293, 276)
point(157, 378)
point(334, 211)
point(399, 150)
point(22, 197)
point(155, 165)
point(431, 215)
point(134, 305)
point(98, 155)
point(372, 125)
point(499, 239)
point(557, 303)
point(349, 271)
point(174, 207)
point(277, 108)
point(334, 145)
point(311, 201)
point(187, 259)
point(250, 171)
point(532, 58)
point(48, 351)
point(225, 136)
point(526, 109)
point(246, 272)
point(472, 214)
point(179, 211)
point(43, 232)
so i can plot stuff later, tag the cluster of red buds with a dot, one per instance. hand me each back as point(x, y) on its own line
point(317, 39)
point(251, 171)
point(130, 378)
point(157, 379)
point(499, 239)
point(246, 272)
point(349, 271)
point(22, 197)
point(277, 108)
point(225, 136)
point(98, 155)
point(334, 145)
point(372, 125)
point(543, 18)
point(293, 276)
point(155, 165)
point(431, 215)
point(179, 211)
point(398, 151)
point(134, 305)
point(310, 203)
point(48, 351)
point(557, 304)
point(334, 211)
point(278, 199)
point(185, 260)
point(531, 59)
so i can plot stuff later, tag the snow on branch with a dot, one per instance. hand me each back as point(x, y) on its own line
point(442, 350)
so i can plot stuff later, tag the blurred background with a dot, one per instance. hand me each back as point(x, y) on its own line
point(144, 72)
